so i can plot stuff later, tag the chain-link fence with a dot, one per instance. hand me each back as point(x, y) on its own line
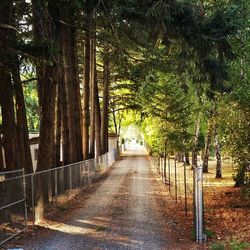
point(22, 197)
point(179, 180)
point(13, 210)
point(177, 177)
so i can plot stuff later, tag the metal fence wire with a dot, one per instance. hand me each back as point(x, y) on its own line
point(13, 210)
point(18, 192)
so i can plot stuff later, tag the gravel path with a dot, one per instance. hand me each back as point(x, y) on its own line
point(121, 214)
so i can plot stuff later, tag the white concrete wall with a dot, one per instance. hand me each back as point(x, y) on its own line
point(112, 143)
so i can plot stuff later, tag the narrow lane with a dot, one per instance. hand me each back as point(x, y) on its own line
point(121, 214)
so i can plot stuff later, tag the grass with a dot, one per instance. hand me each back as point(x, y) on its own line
point(232, 245)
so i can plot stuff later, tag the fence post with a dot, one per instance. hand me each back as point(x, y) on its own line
point(70, 177)
point(198, 204)
point(33, 199)
point(25, 197)
point(169, 174)
point(56, 191)
point(185, 186)
point(175, 180)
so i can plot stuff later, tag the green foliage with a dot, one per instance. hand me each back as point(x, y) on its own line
point(217, 246)
point(32, 108)
point(233, 245)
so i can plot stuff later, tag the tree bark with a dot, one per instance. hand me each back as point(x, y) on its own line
point(217, 153)
point(207, 146)
point(86, 91)
point(97, 110)
point(6, 91)
point(73, 95)
point(105, 106)
point(195, 143)
point(58, 128)
point(46, 75)
point(92, 101)
point(187, 162)
point(1, 154)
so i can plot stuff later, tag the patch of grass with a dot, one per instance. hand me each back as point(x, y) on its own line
point(217, 246)
point(235, 245)
point(209, 233)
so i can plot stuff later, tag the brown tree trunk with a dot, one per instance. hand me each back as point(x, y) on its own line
point(65, 125)
point(97, 110)
point(46, 75)
point(86, 91)
point(92, 101)
point(58, 128)
point(195, 144)
point(217, 153)
point(187, 162)
point(6, 91)
point(105, 106)
point(73, 93)
point(1, 154)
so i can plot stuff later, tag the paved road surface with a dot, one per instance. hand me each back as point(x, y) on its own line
point(121, 214)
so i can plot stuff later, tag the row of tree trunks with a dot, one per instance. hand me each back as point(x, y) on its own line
point(92, 146)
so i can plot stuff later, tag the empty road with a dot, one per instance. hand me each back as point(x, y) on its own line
point(121, 214)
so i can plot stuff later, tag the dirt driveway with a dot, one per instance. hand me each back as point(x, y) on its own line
point(121, 214)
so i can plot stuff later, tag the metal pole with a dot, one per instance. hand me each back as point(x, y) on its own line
point(185, 186)
point(169, 176)
point(25, 198)
point(199, 205)
point(33, 199)
point(70, 178)
point(175, 180)
point(56, 191)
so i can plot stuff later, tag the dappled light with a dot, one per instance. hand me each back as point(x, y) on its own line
point(125, 124)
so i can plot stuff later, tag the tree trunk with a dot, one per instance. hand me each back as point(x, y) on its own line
point(207, 147)
point(187, 162)
point(22, 124)
point(86, 92)
point(195, 143)
point(46, 75)
point(105, 106)
point(73, 95)
point(1, 154)
point(92, 101)
point(217, 153)
point(97, 111)
point(6, 91)
point(58, 128)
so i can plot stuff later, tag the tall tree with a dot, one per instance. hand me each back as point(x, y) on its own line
point(6, 89)
point(105, 104)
